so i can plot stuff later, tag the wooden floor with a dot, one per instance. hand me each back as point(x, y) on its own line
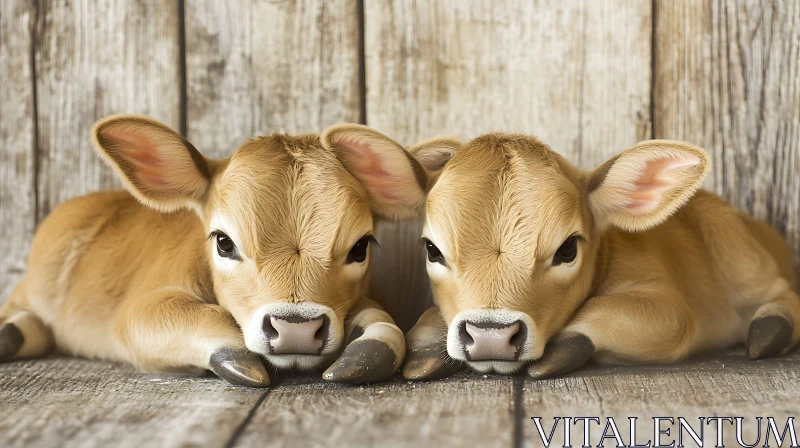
point(72, 402)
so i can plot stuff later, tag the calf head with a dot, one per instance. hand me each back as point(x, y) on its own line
point(513, 230)
point(289, 228)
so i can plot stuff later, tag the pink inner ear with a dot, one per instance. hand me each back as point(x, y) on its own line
point(654, 181)
point(143, 155)
point(367, 167)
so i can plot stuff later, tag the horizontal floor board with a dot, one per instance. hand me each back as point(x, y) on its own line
point(728, 384)
point(72, 402)
point(466, 410)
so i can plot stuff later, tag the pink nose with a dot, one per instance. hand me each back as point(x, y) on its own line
point(484, 342)
point(295, 335)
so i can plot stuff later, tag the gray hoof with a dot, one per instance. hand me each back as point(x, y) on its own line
point(365, 361)
point(429, 363)
point(11, 340)
point(563, 355)
point(768, 336)
point(239, 367)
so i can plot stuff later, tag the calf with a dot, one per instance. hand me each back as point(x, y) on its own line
point(625, 263)
point(208, 264)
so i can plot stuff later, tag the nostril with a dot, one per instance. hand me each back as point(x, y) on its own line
point(318, 334)
point(463, 335)
point(269, 329)
point(518, 337)
point(322, 333)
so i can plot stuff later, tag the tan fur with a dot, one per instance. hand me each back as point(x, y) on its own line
point(663, 274)
point(110, 276)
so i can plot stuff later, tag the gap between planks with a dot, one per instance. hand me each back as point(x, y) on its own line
point(519, 410)
point(248, 418)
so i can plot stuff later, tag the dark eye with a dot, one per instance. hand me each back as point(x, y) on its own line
point(434, 254)
point(225, 247)
point(567, 252)
point(359, 251)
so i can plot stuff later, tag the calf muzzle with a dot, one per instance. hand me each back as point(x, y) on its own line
point(484, 341)
point(294, 334)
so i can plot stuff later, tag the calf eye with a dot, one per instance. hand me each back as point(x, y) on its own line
point(225, 246)
point(567, 252)
point(359, 251)
point(434, 254)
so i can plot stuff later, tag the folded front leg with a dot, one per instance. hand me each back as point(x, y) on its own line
point(427, 357)
point(375, 347)
point(174, 331)
point(648, 325)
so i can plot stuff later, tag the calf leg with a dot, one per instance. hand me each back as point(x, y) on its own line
point(427, 357)
point(640, 326)
point(174, 330)
point(22, 333)
point(374, 350)
point(758, 269)
point(775, 327)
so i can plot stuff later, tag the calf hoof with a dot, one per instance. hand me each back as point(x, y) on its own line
point(11, 340)
point(768, 336)
point(239, 367)
point(563, 355)
point(363, 361)
point(429, 363)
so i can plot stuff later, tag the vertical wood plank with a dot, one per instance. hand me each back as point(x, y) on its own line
point(256, 67)
point(96, 59)
point(728, 79)
point(576, 74)
point(17, 145)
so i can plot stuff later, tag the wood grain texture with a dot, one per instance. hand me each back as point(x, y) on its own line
point(69, 402)
point(96, 59)
point(17, 141)
point(460, 411)
point(728, 79)
point(576, 75)
point(257, 67)
point(728, 384)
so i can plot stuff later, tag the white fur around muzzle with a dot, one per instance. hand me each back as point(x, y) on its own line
point(530, 349)
point(256, 339)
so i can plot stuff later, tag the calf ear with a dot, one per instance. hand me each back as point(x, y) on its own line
point(433, 154)
point(395, 181)
point(646, 184)
point(156, 164)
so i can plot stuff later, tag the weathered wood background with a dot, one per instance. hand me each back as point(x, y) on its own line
point(589, 77)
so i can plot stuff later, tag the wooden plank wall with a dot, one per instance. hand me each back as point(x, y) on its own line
point(17, 145)
point(588, 77)
point(728, 79)
point(255, 67)
point(95, 59)
point(576, 74)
